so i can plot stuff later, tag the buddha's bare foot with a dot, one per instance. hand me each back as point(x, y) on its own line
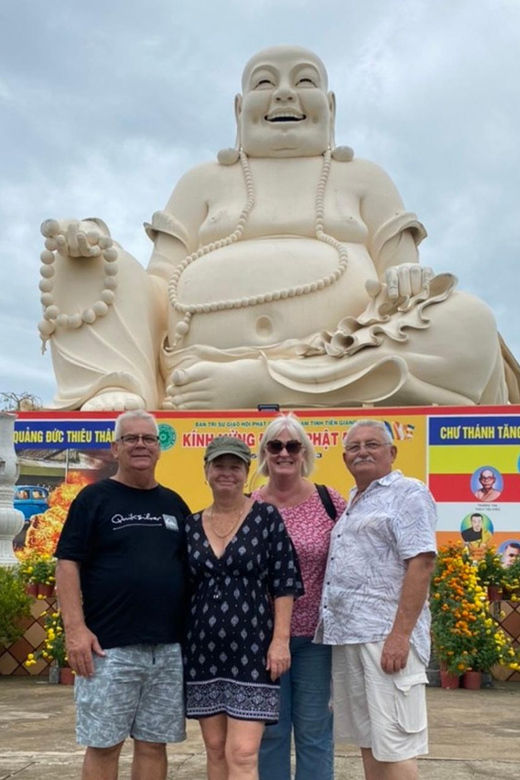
point(113, 401)
point(315, 381)
point(237, 384)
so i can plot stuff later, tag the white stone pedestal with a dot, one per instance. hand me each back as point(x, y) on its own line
point(11, 519)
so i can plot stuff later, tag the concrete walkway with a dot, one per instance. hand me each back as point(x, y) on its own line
point(473, 734)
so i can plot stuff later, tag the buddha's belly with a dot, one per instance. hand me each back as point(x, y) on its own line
point(272, 267)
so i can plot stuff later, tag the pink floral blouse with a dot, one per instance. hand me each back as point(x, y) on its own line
point(309, 527)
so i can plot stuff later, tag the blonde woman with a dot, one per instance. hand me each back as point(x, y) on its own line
point(286, 457)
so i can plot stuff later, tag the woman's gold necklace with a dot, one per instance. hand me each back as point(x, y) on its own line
point(233, 527)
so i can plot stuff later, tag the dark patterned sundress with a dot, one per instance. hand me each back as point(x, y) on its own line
point(230, 623)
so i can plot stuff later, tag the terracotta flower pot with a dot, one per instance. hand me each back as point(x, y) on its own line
point(32, 589)
point(66, 676)
point(472, 680)
point(449, 680)
point(45, 590)
point(494, 593)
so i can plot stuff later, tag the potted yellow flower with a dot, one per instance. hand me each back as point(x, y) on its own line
point(466, 638)
point(38, 571)
point(511, 581)
point(449, 608)
point(53, 649)
point(490, 573)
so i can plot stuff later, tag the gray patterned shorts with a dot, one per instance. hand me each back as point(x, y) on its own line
point(135, 691)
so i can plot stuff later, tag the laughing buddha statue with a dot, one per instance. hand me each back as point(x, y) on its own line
point(285, 272)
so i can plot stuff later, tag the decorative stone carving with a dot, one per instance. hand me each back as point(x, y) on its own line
point(11, 519)
point(286, 272)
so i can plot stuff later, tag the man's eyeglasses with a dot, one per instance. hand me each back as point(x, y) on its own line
point(371, 446)
point(131, 439)
point(275, 446)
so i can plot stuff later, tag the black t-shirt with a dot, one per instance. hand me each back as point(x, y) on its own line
point(130, 546)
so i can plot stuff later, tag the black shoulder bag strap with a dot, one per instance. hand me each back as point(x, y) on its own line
point(327, 502)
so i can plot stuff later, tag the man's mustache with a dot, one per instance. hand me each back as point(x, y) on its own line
point(366, 459)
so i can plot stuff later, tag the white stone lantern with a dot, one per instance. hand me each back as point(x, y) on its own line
point(11, 519)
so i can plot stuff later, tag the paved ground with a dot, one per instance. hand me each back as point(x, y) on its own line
point(473, 734)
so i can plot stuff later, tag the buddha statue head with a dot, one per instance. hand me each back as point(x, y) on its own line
point(285, 109)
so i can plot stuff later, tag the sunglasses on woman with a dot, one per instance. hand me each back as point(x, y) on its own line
point(275, 446)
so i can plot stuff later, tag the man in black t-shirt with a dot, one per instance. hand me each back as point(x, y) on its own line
point(122, 591)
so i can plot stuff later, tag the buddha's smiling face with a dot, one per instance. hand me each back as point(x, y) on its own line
point(285, 110)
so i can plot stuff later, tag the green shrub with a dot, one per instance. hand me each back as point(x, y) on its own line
point(14, 605)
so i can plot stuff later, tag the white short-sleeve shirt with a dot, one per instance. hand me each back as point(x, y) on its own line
point(392, 521)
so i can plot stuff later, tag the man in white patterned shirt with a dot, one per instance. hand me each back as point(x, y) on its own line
point(374, 608)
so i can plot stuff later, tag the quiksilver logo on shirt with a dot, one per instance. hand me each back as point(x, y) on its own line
point(124, 521)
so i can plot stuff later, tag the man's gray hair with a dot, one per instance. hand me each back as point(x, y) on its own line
point(134, 414)
point(379, 426)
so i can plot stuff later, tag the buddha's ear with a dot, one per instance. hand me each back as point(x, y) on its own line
point(231, 156)
point(238, 107)
point(339, 153)
point(332, 109)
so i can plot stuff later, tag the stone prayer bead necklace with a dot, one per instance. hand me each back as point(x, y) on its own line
point(188, 310)
point(52, 316)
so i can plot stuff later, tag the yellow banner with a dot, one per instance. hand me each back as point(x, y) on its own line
point(453, 450)
point(181, 463)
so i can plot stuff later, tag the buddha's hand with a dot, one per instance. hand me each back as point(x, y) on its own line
point(75, 238)
point(407, 280)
